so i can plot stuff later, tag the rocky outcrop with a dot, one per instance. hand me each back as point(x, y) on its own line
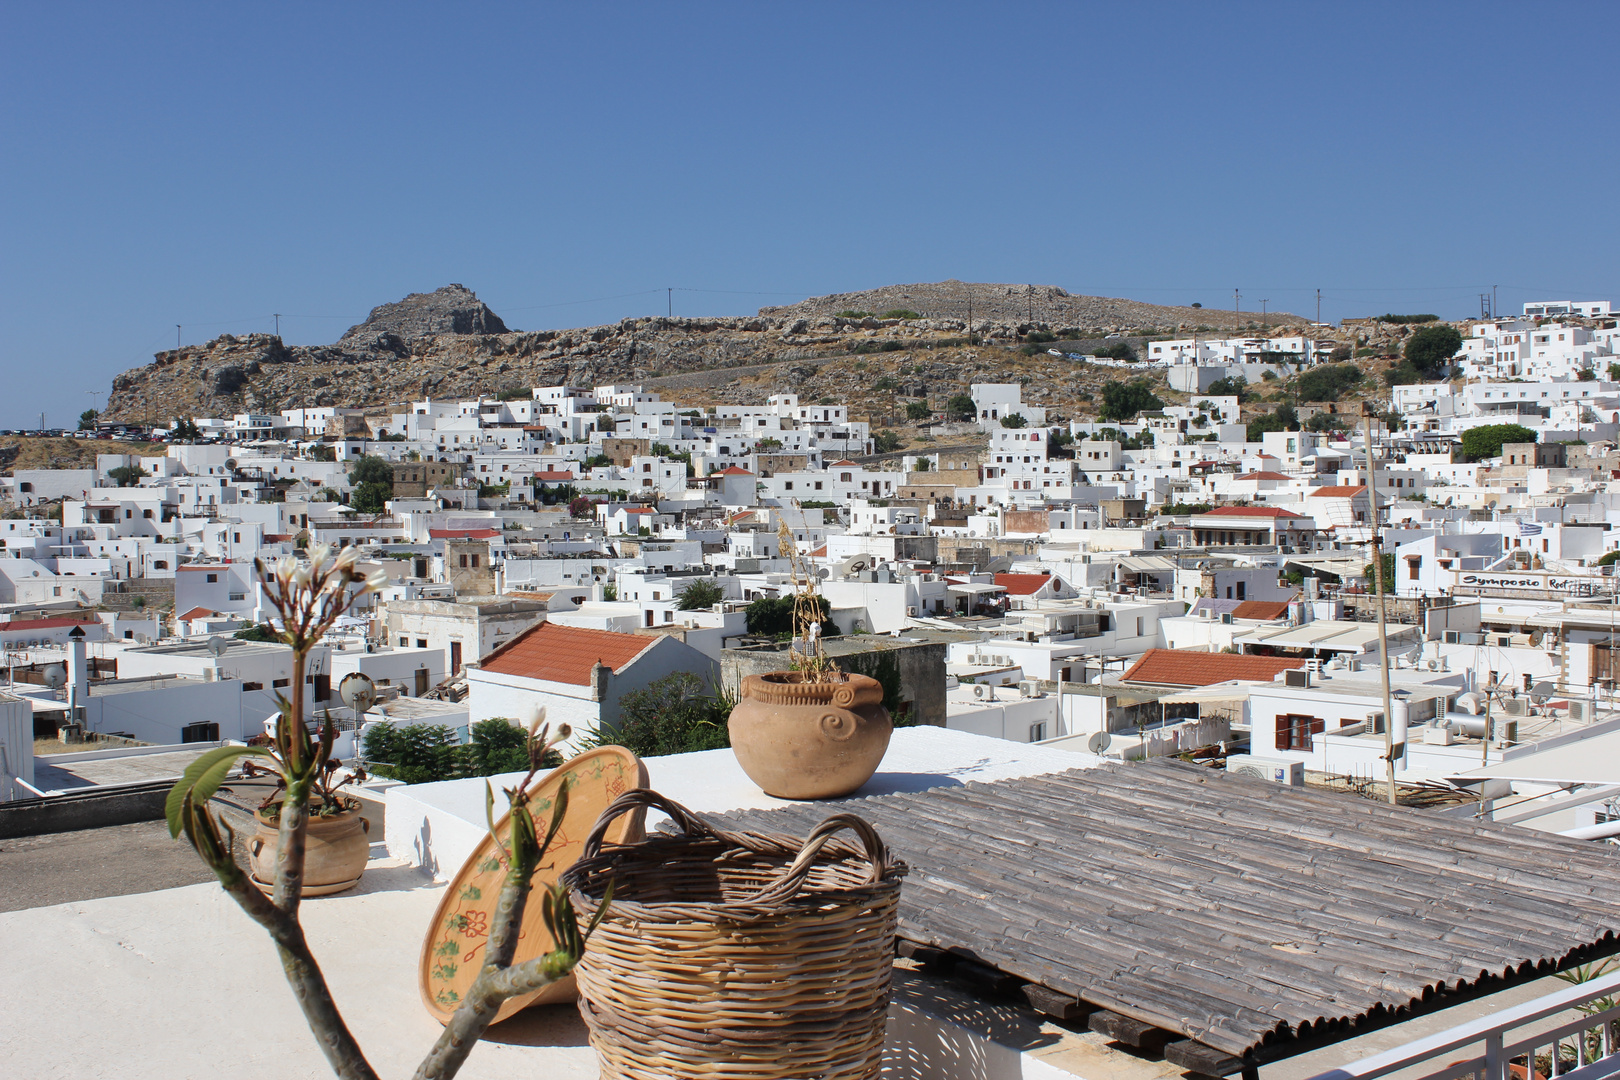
point(454, 309)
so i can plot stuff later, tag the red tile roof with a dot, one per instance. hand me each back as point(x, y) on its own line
point(819, 553)
point(196, 613)
point(1264, 476)
point(1022, 584)
point(554, 474)
point(463, 534)
point(1261, 609)
point(1250, 511)
point(1341, 492)
point(565, 654)
point(22, 626)
point(1178, 667)
point(732, 470)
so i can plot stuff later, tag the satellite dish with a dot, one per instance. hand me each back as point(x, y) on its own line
point(56, 676)
point(823, 573)
point(358, 692)
point(1540, 692)
point(217, 647)
point(1099, 742)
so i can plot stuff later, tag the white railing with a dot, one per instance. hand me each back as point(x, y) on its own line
point(1584, 1048)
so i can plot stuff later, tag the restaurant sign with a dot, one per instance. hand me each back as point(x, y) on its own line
point(1561, 585)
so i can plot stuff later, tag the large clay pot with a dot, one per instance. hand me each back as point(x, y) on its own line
point(800, 740)
point(335, 852)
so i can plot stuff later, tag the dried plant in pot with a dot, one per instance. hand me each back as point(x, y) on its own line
point(813, 731)
point(337, 841)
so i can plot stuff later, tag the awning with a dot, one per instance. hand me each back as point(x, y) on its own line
point(1353, 637)
point(1232, 691)
point(1146, 564)
point(975, 590)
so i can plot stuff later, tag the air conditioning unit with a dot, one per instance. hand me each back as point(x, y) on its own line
point(1453, 637)
point(1276, 770)
point(1226, 618)
point(1580, 710)
point(1030, 688)
point(1297, 678)
point(1516, 706)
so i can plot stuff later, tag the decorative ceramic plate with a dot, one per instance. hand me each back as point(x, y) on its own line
point(454, 950)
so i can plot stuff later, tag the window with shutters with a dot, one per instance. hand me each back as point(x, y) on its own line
point(1294, 731)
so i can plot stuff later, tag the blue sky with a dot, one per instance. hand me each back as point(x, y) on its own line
point(210, 165)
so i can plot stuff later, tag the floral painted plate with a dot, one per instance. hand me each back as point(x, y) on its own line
point(454, 950)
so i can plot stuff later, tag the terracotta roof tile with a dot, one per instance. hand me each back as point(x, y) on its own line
point(1261, 609)
point(196, 613)
point(565, 654)
point(463, 534)
point(553, 474)
point(1022, 584)
point(1178, 667)
point(1341, 492)
point(22, 626)
point(1264, 475)
point(1250, 511)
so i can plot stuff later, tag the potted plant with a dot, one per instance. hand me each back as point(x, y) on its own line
point(813, 731)
point(336, 843)
point(309, 597)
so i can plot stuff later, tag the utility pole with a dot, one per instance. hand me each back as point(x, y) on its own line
point(1236, 307)
point(1318, 307)
point(1378, 587)
point(278, 325)
point(176, 337)
point(669, 302)
point(1263, 304)
point(1493, 302)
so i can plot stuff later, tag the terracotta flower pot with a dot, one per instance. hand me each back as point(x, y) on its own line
point(335, 852)
point(800, 740)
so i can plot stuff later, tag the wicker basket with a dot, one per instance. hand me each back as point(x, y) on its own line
point(736, 956)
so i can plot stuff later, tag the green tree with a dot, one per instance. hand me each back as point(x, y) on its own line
point(581, 507)
point(1486, 442)
point(185, 429)
point(322, 452)
point(127, 475)
point(370, 469)
point(1430, 349)
point(1388, 560)
point(1016, 420)
point(881, 664)
point(701, 593)
point(961, 407)
point(1122, 401)
point(918, 410)
point(87, 420)
point(415, 753)
point(327, 494)
point(673, 715)
point(371, 497)
point(886, 442)
point(499, 746)
point(257, 632)
point(1284, 418)
point(773, 616)
point(1232, 386)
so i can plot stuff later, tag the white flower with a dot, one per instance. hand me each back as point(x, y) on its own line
point(285, 567)
point(537, 716)
point(346, 559)
point(300, 576)
point(318, 555)
point(377, 580)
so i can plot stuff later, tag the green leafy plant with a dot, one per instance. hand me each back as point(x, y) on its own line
point(1486, 441)
point(1016, 420)
point(87, 420)
point(886, 442)
point(1122, 401)
point(918, 410)
point(701, 593)
point(672, 715)
point(310, 597)
point(900, 313)
point(961, 407)
point(1430, 350)
point(127, 475)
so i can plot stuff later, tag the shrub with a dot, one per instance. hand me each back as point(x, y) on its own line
point(1403, 320)
point(1283, 419)
point(1119, 350)
point(852, 313)
point(886, 442)
point(581, 507)
point(1327, 382)
point(1016, 420)
point(127, 475)
point(1233, 386)
point(1388, 568)
point(699, 594)
point(673, 715)
point(918, 410)
point(371, 497)
point(1122, 401)
point(1040, 337)
point(257, 632)
point(961, 407)
point(1610, 559)
point(1486, 442)
point(900, 313)
point(1402, 374)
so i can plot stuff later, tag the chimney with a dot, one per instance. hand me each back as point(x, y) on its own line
point(600, 674)
point(78, 673)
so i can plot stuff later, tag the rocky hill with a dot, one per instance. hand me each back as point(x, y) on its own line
point(1044, 304)
point(448, 344)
